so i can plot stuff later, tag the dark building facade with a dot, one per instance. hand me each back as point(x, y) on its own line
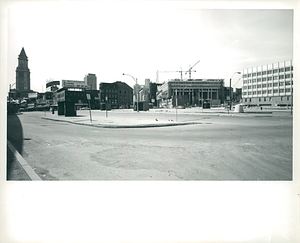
point(23, 75)
point(68, 100)
point(152, 93)
point(237, 95)
point(117, 94)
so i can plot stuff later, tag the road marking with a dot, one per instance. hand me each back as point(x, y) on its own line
point(29, 171)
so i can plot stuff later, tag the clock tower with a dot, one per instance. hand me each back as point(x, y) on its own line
point(23, 73)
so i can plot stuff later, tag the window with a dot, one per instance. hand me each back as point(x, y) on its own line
point(281, 70)
point(275, 84)
point(249, 75)
point(245, 87)
point(245, 82)
point(269, 91)
point(269, 71)
point(254, 92)
point(275, 71)
point(259, 99)
point(245, 100)
point(244, 75)
point(264, 72)
point(259, 86)
point(281, 76)
point(259, 80)
point(269, 85)
point(287, 69)
point(269, 78)
point(281, 91)
point(270, 99)
point(287, 76)
point(275, 77)
point(265, 99)
point(287, 90)
point(253, 74)
point(281, 83)
point(249, 81)
point(264, 91)
point(287, 82)
point(250, 100)
point(264, 85)
point(254, 86)
point(249, 93)
point(259, 92)
point(288, 98)
point(249, 87)
point(254, 80)
point(275, 91)
point(259, 73)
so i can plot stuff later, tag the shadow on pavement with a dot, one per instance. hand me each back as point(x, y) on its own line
point(15, 136)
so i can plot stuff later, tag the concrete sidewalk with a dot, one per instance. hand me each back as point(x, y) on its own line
point(119, 119)
point(127, 118)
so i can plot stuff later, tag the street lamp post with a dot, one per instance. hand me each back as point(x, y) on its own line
point(230, 90)
point(136, 94)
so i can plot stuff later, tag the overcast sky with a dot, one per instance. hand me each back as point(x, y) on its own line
point(67, 40)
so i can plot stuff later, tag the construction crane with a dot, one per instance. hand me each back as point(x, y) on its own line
point(190, 70)
point(157, 74)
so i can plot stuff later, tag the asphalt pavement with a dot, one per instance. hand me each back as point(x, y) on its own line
point(127, 118)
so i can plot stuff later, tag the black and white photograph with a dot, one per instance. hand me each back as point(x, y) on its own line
point(151, 105)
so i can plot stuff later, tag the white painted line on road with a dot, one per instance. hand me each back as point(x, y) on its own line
point(30, 172)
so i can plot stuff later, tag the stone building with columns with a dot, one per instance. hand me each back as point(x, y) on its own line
point(190, 92)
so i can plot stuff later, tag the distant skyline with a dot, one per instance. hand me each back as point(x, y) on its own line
point(67, 40)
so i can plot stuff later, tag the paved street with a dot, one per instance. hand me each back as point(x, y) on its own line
point(219, 147)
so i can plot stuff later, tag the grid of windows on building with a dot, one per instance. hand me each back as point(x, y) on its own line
point(118, 94)
point(191, 92)
point(272, 84)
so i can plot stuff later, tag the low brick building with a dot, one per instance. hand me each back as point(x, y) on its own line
point(117, 94)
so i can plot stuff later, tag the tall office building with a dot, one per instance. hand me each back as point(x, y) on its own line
point(268, 85)
point(91, 81)
point(23, 74)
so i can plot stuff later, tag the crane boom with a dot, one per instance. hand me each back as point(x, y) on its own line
point(157, 74)
point(190, 69)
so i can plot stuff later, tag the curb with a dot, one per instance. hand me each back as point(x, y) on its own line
point(23, 163)
point(125, 126)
